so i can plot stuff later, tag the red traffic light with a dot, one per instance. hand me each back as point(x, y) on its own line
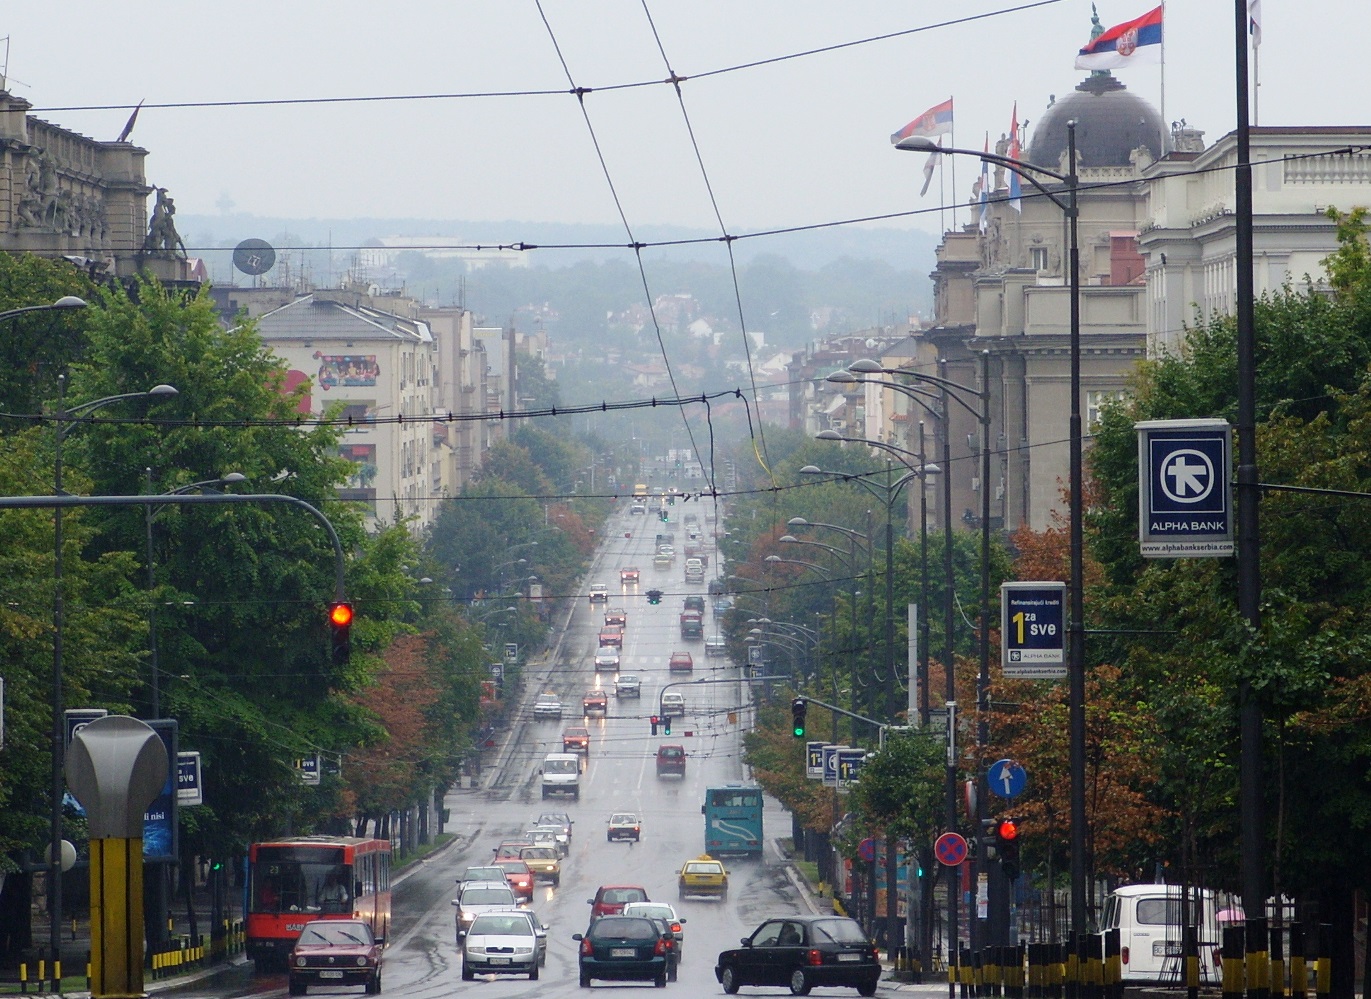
point(340, 613)
point(1007, 830)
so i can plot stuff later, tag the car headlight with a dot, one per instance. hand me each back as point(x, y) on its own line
point(299, 962)
point(468, 917)
point(523, 950)
point(361, 961)
point(476, 951)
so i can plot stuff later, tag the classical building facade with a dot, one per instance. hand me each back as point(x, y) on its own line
point(63, 194)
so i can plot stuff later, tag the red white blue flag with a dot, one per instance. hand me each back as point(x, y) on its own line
point(937, 120)
point(1126, 44)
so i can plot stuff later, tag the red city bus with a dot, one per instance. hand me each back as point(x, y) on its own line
point(291, 882)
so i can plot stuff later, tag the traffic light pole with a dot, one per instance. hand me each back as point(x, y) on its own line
point(880, 726)
point(49, 502)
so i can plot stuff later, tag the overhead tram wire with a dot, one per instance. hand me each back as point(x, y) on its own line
point(580, 94)
point(504, 94)
point(757, 435)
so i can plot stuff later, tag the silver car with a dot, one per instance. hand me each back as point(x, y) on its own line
point(628, 685)
point(547, 706)
point(606, 658)
point(504, 942)
point(476, 897)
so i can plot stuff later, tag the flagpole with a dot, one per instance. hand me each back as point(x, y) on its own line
point(1256, 68)
point(953, 133)
point(1165, 124)
point(942, 197)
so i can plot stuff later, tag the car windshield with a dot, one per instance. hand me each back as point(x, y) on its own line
point(670, 752)
point(623, 929)
point(488, 896)
point(497, 924)
point(334, 933)
point(623, 819)
point(842, 931)
point(628, 678)
point(619, 896)
point(513, 866)
point(483, 874)
point(651, 909)
point(561, 767)
point(537, 853)
point(704, 868)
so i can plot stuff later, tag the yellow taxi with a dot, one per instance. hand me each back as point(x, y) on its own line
point(544, 861)
point(703, 876)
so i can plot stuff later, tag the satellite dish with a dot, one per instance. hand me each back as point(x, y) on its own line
point(254, 256)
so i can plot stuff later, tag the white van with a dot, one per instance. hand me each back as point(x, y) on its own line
point(562, 774)
point(1150, 920)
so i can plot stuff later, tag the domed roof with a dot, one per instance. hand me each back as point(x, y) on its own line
point(1110, 124)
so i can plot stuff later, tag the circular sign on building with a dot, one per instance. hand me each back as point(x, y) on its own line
point(254, 256)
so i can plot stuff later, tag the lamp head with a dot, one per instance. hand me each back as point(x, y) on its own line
point(828, 435)
point(162, 390)
point(808, 470)
point(772, 558)
point(799, 521)
point(69, 302)
point(841, 377)
point(917, 144)
point(233, 477)
point(788, 539)
point(866, 366)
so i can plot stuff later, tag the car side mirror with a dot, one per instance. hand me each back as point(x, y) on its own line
point(747, 941)
point(578, 936)
point(682, 920)
point(455, 902)
point(590, 901)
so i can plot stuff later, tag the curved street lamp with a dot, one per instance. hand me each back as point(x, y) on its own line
point(64, 420)
point(1076, 586)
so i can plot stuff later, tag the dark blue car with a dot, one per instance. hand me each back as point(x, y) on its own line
point(803, 952)
point(623, 948)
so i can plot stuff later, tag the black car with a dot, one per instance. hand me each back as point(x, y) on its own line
point(623, 948)
point(802, 952)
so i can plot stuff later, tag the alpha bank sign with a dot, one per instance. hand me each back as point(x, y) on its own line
point(1185, 497)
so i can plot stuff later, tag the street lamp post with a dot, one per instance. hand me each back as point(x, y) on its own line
point(1076, 585)
point(64, 420)
point(157, 915)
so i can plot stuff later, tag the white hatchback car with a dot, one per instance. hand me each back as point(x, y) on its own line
point(673, 704)
point(599, 592)
point(606, 658)
point(628, 685)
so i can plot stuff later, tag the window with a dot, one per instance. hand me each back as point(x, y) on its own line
point(1037, 257)
point(1096, 400)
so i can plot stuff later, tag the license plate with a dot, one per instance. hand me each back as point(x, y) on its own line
point(622, 952)
point(499, 960)
point(330, 974)
point(849, 957)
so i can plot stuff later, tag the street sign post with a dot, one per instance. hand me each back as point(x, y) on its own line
point(188, 787)
point(950, 849)
point(1006, 778)
point(814, 760)
point(1033, 630)
point(1185, 501)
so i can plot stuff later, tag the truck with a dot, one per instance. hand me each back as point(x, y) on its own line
point(692, 624)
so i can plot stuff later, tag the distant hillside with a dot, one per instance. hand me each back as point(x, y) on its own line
point(901, 249)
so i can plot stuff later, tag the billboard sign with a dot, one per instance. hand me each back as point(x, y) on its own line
point(1185, 496)
point(1033, 630)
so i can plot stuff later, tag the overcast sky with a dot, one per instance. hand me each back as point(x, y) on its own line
point(789, 143)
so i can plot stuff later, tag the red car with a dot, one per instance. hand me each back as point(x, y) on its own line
point(629, 575)
point(520, 878)
point(681, 662)
point(576, 739)
point(336, 952)
point(595, 701)
point(611, 899)
point(616, 615)
point(612, 634)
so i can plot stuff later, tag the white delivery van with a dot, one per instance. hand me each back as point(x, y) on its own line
point(562, 774)
point(1150, 920)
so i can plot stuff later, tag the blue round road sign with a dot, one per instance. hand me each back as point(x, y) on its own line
point(1007, 779)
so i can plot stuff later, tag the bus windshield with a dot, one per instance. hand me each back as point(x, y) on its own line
point(301, 880)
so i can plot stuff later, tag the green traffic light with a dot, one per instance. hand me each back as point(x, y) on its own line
point(799, 732)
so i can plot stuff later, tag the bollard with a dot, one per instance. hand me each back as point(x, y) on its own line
point(1323, 964)
point(24, 978)
point(1256, 957)
point(991, 975)
point(1190, 958)
point(1113, 965)
point(1073, 967)
point(1094, 966)
point(1299, 974)
point(1232, 962)
point(1276, 983)
point(965, 973)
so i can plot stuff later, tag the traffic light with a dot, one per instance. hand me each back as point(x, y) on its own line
point(654, 596)
point(340, 626)
point(798, 708)
point(664, 516)
point(666, 724)
point(654, 720)
point(990, 832)
point(1007, 843)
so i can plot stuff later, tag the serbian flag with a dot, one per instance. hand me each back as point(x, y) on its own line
point(1125, 44)
point(937, 120)
point(1015, 189)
